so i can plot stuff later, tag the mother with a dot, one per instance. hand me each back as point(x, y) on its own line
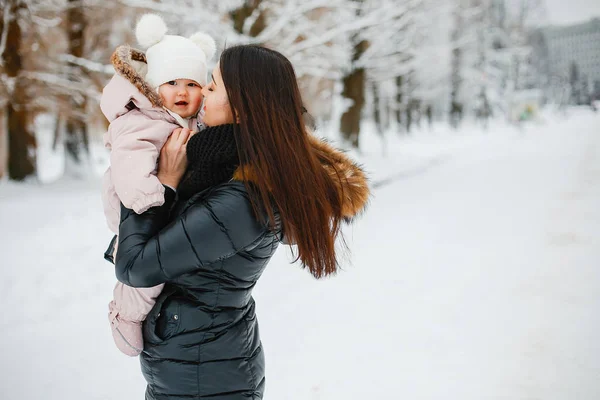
point(253, 178)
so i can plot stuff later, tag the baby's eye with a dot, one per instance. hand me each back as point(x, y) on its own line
point(192, 84)
point(172, 83)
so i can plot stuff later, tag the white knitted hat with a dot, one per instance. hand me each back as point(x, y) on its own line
point(172, 57)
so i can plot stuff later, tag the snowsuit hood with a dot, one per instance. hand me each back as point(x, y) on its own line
point(128, 85)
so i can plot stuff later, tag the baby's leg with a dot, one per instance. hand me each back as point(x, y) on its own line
point(126, 313)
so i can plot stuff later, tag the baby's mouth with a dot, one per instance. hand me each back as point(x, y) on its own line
point(181, 103)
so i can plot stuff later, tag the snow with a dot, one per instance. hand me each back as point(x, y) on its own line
point(52, 164)
point(473, 275)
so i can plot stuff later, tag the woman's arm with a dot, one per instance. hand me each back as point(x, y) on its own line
point(151, 250)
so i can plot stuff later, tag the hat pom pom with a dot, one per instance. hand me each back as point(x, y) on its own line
point(206, 43)
point(150, 30)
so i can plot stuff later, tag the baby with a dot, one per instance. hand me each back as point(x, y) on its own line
point(150, 95)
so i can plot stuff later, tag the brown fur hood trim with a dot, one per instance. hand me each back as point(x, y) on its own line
point(131, 64)
point(349, 177)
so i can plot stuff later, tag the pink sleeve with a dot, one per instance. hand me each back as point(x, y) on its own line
point(135, 145)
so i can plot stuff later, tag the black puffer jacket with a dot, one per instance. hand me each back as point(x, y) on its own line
point(201, 338)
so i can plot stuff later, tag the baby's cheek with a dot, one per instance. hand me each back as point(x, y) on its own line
point(199, 98)
point(197, 102)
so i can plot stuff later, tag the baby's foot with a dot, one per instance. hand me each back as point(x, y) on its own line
point(126, 334)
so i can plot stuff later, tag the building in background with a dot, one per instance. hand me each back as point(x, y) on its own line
point(568, 58)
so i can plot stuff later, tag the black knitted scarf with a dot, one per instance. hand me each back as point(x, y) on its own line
point(212, 159)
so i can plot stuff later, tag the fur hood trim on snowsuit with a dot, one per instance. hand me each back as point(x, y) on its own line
point(131, 64)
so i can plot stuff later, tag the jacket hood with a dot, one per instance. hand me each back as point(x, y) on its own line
point(350, 179)
point(128, 84)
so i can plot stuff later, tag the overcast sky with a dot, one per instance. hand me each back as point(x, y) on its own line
point(570, 11)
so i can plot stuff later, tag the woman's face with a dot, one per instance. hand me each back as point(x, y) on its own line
point(216, 103)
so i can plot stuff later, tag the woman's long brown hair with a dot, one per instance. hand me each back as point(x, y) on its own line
point(273, 140)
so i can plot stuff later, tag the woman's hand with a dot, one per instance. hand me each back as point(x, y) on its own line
point(172, 162)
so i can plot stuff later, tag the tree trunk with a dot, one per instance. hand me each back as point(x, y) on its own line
point(21, 162)
point(429, 113)
point(21, 141)
point(241, 14)
point(377, 108)
point(455, 76)
point(354, 90)
point(417, 113)
point(354, 87)
point(3, 143)
point(399, 89)
point(57, 136)
point(76, 138)
point(386, 112)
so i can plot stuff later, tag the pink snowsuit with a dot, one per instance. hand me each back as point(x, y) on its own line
point(139, 127)
point(134, 138)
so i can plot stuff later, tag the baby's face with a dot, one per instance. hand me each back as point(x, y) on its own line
point(182, 96)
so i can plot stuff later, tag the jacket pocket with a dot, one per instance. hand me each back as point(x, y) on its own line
point(169, 319)
point(157, 315)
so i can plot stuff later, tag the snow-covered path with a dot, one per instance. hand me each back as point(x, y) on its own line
point(490, 287)
point(477, 277)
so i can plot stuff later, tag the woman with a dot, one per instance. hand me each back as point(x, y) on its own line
point(253, 178)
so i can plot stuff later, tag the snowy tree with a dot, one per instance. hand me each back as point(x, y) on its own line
point(431, 64)
point(76, 140)
point(401, 58)
point(69, 71)
point(354, 85)
point(491, 59)
point(472, 71)
point(21, 140)
point(40, 73)
point(383, 53)
point(314, 35)
point(406, 60)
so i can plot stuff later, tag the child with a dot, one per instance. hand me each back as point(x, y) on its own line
point(150, 95)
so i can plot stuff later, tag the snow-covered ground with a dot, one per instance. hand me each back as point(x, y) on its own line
point(475, 274)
